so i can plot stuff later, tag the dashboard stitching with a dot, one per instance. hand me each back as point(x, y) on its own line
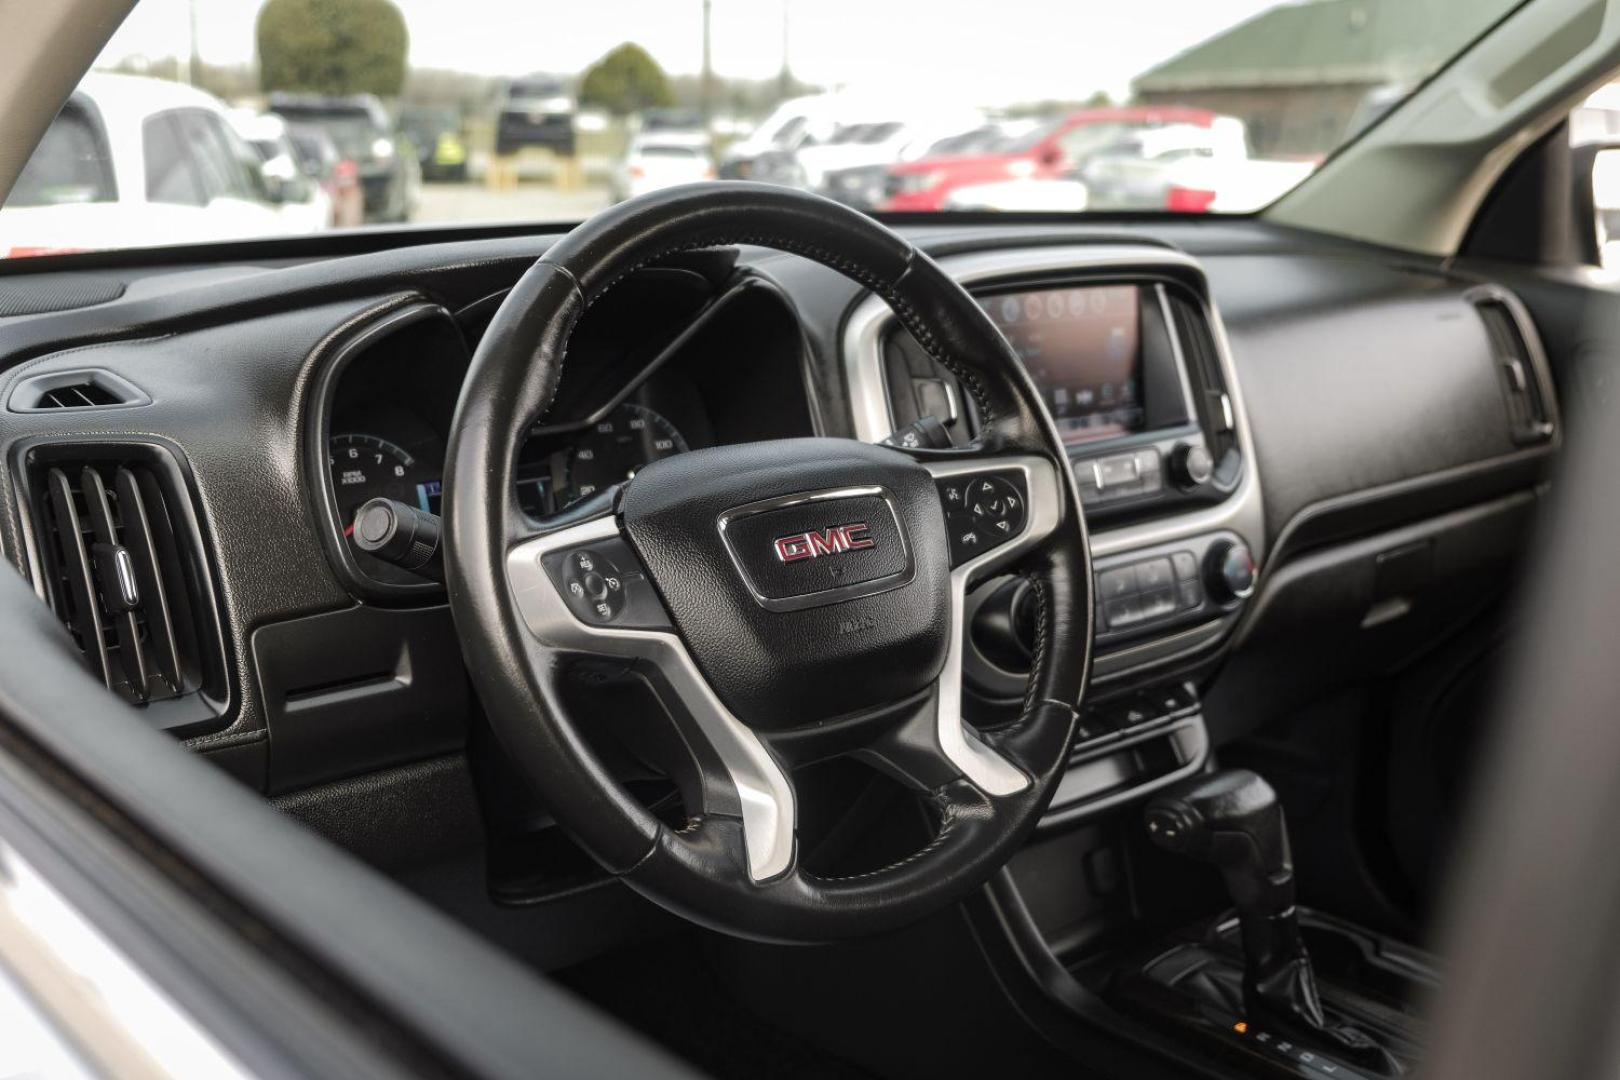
point(1042, 612)
point(227, 739)
point(950, 816)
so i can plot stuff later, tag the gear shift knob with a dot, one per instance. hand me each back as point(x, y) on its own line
point(1232, 819)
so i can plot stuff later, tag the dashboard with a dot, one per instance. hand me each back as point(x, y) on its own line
point(1255, 442)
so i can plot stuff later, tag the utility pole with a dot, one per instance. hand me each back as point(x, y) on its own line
point(193, 60)
point(784, 78)
point(706, 89)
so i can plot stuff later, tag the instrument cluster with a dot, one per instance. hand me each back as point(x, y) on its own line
point(661, 370)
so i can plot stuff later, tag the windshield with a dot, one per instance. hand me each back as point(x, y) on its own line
point(402, 111)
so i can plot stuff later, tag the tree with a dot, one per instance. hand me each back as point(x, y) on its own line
point(332, 46)
point(624, 81)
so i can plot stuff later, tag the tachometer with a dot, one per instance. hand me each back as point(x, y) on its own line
point(365, 467)
point(614, 450)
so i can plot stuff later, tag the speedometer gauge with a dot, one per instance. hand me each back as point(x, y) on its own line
point(615, 449)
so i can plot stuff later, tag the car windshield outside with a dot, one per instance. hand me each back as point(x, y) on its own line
point(484, 111)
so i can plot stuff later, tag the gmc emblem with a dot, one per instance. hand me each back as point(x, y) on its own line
point(833, 541)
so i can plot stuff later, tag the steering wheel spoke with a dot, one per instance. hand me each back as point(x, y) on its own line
point(997, 507)
point(580, 589)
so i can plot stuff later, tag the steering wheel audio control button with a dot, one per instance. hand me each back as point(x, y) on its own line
point(604, 585)
point(982, 512)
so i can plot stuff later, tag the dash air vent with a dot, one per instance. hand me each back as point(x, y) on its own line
point(89, 389)
point(122, 566)
point(1523, 391)
point(1212, 401)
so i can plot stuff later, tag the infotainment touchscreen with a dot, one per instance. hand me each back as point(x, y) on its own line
point(1083, 347)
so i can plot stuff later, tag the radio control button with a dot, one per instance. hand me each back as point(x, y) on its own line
point(981, 513)
point(1126, 611)
point(1154, 574)
point(1158, 603)
point(1191, 466)
point(967, 535)
point(1119, 472)
point(1186, 566)
point(1116, 584)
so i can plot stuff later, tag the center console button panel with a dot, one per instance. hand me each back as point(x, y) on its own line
point(1159, 589)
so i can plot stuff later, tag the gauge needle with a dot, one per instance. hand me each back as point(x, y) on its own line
point(348, 530)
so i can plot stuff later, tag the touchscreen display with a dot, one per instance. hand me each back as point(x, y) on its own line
point(1083, 348)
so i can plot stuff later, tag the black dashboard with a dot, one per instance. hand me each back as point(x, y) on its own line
point(1248, 413)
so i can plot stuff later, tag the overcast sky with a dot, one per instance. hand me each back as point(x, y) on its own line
point(978, 51)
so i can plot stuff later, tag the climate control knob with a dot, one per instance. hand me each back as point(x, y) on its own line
point(1191, 466)
point(1229, 571)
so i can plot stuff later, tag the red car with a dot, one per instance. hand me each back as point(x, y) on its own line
point(1049, 150)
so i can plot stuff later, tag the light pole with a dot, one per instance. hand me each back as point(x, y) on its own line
point(784, 78)
point(706, 87)
point(193, 59)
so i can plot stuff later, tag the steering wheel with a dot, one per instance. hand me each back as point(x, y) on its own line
point(790, 601)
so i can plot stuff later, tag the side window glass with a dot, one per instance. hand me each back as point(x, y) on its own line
point(207, 156)
point(70, 165)
point(170, 177)
point(242, 162)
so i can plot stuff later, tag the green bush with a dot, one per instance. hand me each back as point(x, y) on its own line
point(625, 81)
point(332, 47)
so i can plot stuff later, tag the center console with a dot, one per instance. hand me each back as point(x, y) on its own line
point(1127, 351)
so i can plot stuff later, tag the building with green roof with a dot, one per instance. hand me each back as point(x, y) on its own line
point(1303, 75)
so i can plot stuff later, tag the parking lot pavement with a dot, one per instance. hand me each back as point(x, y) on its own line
point(526, 202)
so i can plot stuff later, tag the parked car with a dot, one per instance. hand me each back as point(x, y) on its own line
point(1198, 185)
point(361, 129)
point(864, 186)
point(795, 123)
point(435, 136)
point(131, 162)
point(319, 157)
point(662, 160)
point(537, 110)
point(300, 194)
point(1057, 195)
point(1046, 151)
point(1134, 172)
point(671, 119)
point(882, 141)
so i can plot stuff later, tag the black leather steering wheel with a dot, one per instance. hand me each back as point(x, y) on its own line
point(790, 601)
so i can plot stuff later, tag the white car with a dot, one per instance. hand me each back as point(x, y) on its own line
point(303, 202)
point(137, 162)
point(794, 123)
point(882, 140)
point(1229, 185)
point(663, 159)
point(1134, 172)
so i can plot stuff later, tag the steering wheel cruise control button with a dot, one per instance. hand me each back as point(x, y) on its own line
point(604, 585)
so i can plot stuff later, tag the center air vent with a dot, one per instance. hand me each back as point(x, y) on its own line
point(121, 565)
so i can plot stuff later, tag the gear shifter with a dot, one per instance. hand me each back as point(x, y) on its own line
point(1232, 819)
